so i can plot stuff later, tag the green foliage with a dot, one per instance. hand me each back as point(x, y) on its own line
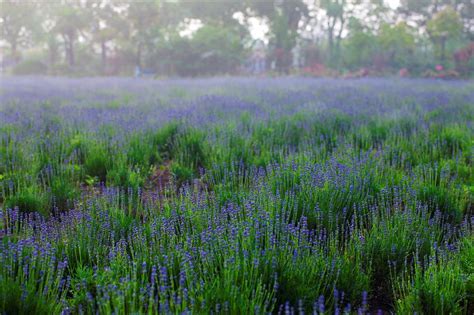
point(454, 140)
point(466, 260)
point(446, 23)
point(34, 287)
point(211, 50)
point(30, 67)
point(236, 287)
point(392, 242)
point(360, 46)
point(306, 277)
point(181, 174)
point(440, 288)
point(141, 152)
point(398, 44)
point(440, 198)
point(16, 298)
point(126, 177)
point(165, 140)
point(191, 150)
point(28, 200)
point(445, 26)
point(63, 194)
point(96, 164)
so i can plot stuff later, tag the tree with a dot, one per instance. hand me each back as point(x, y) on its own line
point(70, 20)
point(335, 23)
point(466, 13)
point(143, 20)
point(443, 27)
point(422, 11)
point(284, 17)
point(397, 43)
point(211, 50)
point(17, 19)
point(107, 25)
point(421, 7)
point(359, 46)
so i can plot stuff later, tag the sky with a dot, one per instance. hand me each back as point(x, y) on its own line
point(393, 3)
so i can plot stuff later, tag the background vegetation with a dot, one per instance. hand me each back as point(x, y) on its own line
point(189, 38)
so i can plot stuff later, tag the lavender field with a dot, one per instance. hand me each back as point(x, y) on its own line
point(236, 196)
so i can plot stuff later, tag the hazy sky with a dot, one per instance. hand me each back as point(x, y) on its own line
point(393, 3)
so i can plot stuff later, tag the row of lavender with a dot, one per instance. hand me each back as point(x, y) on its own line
point(236, 196)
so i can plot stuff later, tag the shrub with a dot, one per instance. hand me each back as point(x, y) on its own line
point(28, 67)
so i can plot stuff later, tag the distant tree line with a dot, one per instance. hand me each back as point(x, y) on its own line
point(192, 37)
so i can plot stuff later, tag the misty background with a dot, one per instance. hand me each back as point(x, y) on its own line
point(151, 38)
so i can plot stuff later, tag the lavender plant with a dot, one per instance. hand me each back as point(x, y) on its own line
point(259, 196)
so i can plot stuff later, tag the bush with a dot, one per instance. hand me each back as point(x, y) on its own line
point(29, 67)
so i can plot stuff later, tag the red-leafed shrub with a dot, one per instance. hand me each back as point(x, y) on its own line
point(404, 72)
point(441, 74)
point(464, 59)
point(316, 70)
point(361, 73)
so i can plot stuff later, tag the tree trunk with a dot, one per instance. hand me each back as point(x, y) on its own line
point(14, 47)
point(435, 8)
point(66, 50)
point(338, 42)
point(331, 39)
point(103, 47)
point(71, 53)
point(52, 54)
point(331, 26)
point(139, 56)
point(69, 50)
point(443, 49)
